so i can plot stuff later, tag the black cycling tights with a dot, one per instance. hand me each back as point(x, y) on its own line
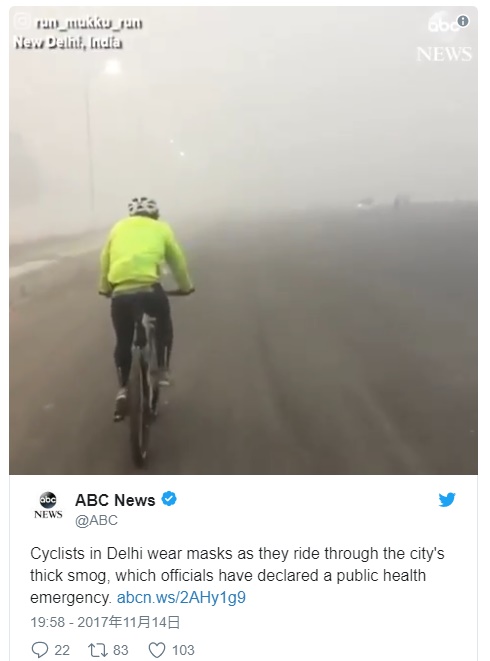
point(154, 303)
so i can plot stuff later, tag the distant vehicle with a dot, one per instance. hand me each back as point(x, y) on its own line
point(366, 203)
point(401, 200)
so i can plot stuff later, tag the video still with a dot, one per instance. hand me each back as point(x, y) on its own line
point(243, 241)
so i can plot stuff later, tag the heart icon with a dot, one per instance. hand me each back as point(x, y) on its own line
point(156, 649)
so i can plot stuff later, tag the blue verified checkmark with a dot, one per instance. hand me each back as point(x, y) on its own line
point(169, 498)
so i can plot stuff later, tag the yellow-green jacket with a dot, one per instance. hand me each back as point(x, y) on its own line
point(134, 252)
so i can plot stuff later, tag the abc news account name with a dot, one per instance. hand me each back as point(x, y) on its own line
point(118, 500)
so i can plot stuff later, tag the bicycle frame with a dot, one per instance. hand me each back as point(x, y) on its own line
point(143, 387)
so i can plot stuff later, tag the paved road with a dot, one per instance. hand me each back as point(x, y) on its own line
point(325, 345)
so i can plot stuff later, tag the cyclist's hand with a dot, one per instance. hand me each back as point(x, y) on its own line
point(180, 292)
point(106, 294)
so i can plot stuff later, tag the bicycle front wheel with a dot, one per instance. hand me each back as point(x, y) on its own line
point(138, 409)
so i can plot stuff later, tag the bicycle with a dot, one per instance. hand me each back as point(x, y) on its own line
point(143, 384)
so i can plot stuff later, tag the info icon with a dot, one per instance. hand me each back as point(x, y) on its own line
point(47, 500)
point(463, 21)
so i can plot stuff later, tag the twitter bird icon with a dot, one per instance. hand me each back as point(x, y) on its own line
point(446, 500)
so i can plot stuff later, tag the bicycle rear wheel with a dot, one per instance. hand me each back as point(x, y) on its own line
point(139, 409)
point(154, 372)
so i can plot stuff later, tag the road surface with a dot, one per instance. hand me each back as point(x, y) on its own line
point(329, 344)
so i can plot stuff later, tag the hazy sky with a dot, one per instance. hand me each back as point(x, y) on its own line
point(285, 108)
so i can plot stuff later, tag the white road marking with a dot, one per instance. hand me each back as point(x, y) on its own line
point(36, 265)
point(28, 267)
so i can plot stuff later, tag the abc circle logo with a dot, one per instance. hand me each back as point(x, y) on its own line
point(439, 23)
point(47, 500)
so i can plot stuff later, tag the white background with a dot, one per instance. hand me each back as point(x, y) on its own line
point(386, 621)
point(442, 621)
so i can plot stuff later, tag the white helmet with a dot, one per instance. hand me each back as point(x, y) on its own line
point(143, 206)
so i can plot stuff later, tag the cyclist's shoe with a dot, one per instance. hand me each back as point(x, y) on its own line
point(121, 405)
point(165, 378)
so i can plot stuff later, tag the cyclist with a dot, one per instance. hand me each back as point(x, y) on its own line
point(130, 263)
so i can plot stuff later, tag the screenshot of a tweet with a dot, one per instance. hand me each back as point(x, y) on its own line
point(243, 333)
point(241, 567)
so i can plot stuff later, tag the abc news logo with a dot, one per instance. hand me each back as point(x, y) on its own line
point(438, 24)
point(47, 502)
point(444, 54)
